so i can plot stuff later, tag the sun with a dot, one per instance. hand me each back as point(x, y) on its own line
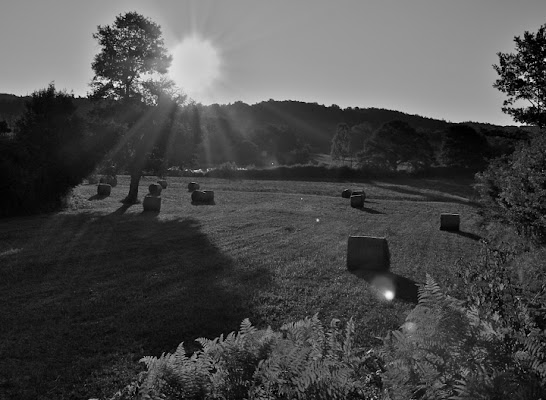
point(195, 67)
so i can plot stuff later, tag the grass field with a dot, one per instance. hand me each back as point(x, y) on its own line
point(86, 292)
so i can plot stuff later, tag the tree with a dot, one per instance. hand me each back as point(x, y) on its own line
point(130, 75)
point(523, 77)
point(340, 143)
point(4, 127)
point(396, 143)
point(49, 154)
point(463, 147)
point(513, 189)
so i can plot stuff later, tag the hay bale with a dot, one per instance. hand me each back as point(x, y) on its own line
point(449, 222)
point(155, 189)
point(369, 253)
point(346, 193)
point(360, 192)
point(163, 183)
point(111, 180)
point(202, 196)
point(151, 203)
point(193, 186)
point(357, 201)
point(104, 189)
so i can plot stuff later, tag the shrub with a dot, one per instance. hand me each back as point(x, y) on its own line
point(301, 361)
point(446, 350)
point(47, 156)
point(513, 189)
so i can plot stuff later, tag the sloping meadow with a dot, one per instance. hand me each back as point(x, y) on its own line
point(88, 291)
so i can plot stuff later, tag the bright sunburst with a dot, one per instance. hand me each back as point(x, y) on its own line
point(195, 67)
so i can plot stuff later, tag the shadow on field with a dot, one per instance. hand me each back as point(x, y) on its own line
point(202, 203)
point(98, 197)
point(370, 210)
point(403, 288)
point(88, 289)
point(469, 235)
point(120, 211)
point(447, 198)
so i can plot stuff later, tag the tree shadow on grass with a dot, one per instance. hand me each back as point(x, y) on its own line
point(120, 211)
point(401, 287)
point(98, 287)
point(418, 191)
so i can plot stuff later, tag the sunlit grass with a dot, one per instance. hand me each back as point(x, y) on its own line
point(86, 292)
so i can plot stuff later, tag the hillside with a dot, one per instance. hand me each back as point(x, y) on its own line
point(287, 131)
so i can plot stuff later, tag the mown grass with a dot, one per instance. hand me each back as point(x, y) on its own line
point(86, 292)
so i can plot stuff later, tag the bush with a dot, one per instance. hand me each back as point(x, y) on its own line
point(301, 361)
point(513, 189)
point(47, 156)
point(445, 350)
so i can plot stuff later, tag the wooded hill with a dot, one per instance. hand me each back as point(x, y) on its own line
point(290, 130)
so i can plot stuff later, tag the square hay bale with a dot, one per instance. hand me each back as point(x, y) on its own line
point(192, 186)
point(346, 193)
point(151, 203)
point(368, 252)
point(450, 222)
point(155, 189)
point(163, 183)
point(104, 189)
point(357, 201)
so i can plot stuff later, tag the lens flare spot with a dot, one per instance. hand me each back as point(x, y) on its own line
point(389, 294)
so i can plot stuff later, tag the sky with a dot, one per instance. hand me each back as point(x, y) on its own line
point(428, 57)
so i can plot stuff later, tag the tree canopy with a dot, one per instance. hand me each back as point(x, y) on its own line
point(522, 77)
point(341, 142)
point(132, 52)
point(396, 143)
point(130, 72)
point(464, 147)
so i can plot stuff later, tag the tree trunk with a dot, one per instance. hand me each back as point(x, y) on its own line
point(132, 197)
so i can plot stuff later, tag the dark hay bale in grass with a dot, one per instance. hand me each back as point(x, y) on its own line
point(202, 196)
point(346, 193)
point(369, 253)
point(357, 201)
point(104, 189)
point(193, 186)
point(155, 189)
point(449, 222)
point(163, 183)
point(151, 203)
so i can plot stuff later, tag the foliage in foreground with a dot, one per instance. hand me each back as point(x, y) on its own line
point(449, 350)
point(303, 360)
point(490, 345)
